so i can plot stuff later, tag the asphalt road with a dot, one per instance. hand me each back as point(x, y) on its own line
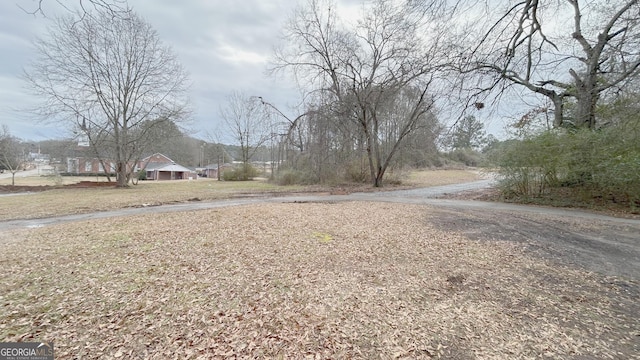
point(598, 243)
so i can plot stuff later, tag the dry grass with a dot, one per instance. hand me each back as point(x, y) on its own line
point(50, 180)
point(78, 200)
point(348, 280)
point(441, 177)
point(74, 201)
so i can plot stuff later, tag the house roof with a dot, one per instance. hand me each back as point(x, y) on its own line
point(154, 166)
point(168, 167)
point(157, 154)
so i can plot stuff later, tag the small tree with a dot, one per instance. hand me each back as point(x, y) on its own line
point(12, 153)
point(248, 122)
point(468, 133)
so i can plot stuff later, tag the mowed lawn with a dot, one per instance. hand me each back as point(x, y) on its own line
point(299, 280)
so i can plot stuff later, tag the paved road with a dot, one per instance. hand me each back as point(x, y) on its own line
point(599, 243)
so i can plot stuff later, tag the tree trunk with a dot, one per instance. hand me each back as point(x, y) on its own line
point(558, 118)
point(587, 97)
point(121, 174)
point(107, 170)
point(377, 181)
point(372, 166)
point(585, 116)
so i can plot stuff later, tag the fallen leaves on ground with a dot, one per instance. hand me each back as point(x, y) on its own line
point(304, 280)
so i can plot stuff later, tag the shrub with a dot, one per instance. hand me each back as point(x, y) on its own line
point(528, 168)
point(596, 164)
point(355, 171)
point(290, 177)
point(243, 172)
point(467, 157)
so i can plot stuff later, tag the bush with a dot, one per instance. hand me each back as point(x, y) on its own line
point(592, 164)
point(242, 173)
point(289, 177)
point(467, 157)
point(356, 172)
point(528, 168)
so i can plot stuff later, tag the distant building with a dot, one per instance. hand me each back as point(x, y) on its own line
point(82, 161)
point(211, 171)
point(84, 165)
point(161, 167)
point(156, 166)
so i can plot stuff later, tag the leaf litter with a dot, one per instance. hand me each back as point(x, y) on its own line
point(316, 281)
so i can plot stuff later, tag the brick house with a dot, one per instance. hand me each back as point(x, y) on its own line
point(161, 167)
point(86, 165)
point(156, 166)
point(82, 161)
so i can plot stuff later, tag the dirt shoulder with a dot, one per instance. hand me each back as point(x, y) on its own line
point(609, 208)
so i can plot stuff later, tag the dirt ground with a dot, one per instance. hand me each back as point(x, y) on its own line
point(310, 280)
point(8, 189)
point(327, 277)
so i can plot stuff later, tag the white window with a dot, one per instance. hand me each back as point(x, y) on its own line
point(87, 166)
point(100, 167)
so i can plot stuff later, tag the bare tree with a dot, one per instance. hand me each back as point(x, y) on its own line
point(114, 7)
point(569, 51)
point(367, 70)
point(248, 122)
point(12, 153)
point(109, 77)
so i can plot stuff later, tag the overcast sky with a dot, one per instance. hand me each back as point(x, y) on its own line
point(224, 45)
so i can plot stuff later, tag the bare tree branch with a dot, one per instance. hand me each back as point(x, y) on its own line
point(524, 46)
point(114, 7)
